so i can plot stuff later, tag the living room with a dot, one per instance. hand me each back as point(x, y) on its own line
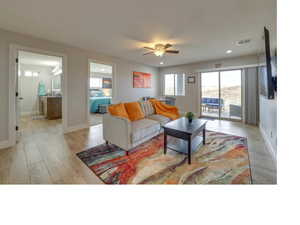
point(166, 93)
point(126, 92)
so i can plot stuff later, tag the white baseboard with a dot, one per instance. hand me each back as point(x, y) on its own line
point(76, 127)
point(4, 144)
point(268, 143)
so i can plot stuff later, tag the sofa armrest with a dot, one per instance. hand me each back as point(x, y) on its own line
point(117, 130)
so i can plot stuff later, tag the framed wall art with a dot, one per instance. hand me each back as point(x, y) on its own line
point(141, 80)
point(191, 79)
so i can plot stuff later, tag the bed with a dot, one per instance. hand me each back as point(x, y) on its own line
point(97, 98)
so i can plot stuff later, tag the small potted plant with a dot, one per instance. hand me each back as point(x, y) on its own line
point(189, 116)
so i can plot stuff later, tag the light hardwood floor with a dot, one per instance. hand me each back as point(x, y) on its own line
point(95, 118)
point(44, 155)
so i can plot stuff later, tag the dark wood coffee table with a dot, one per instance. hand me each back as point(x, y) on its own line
point(184, 136)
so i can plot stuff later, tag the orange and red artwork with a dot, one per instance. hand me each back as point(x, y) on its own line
point(141, 80)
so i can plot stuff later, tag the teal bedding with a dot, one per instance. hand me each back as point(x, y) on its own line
point(95, 101)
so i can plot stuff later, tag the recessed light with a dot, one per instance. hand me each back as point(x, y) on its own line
point(161, 63)
point(228, 51)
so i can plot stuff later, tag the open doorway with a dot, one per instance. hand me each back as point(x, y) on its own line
point(39, 100)
point(100, 90)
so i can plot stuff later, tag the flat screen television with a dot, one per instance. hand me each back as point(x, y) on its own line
point(268, 73)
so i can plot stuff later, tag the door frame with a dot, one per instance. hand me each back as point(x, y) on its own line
point(219, 84)
point(13, 55)
point(114, 89)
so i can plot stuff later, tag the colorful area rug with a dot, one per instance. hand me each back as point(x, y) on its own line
point(223, 160)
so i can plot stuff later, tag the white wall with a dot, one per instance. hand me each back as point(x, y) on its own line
point(77, 77)
point(28, 86)
point(268, 118)
point(190, 101)
point(268, 121)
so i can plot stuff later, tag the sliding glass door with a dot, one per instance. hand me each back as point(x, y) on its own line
point(221, 94)
point(210, 94)
point(231, 94)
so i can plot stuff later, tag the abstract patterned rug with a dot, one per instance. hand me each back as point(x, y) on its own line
point(223, 160)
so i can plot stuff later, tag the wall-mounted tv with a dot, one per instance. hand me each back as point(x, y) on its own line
point(268, 73)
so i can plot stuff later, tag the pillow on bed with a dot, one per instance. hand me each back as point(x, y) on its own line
point(94, 93)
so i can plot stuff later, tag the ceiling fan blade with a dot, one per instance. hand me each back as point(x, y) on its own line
point(168, 46)
point(172, 51)
point(149, 48)
point(147, 53)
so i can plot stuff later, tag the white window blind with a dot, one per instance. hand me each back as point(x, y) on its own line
point(174, 84)
point(29, 73)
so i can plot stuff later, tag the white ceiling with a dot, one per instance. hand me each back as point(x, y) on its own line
point(200, 29)
point(30, 58)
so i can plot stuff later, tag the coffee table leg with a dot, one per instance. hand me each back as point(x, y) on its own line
point(204, 136)
point(165, 143)
point(189, 150)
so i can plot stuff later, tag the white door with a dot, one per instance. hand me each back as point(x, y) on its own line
point(18, 100)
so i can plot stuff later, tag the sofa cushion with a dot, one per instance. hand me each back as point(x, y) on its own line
point(143, 128)
point(118, 110)
point(159, 118)
point(134, 111)
point(147, 108)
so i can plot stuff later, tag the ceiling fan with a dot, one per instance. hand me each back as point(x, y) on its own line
point(160, 50)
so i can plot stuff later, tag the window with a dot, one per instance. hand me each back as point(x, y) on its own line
point(174, 84)
point(56, 83)
point(35, 74)
point(29, 73)
point(95, 82)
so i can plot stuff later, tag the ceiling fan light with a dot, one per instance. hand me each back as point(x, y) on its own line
point(159, 52)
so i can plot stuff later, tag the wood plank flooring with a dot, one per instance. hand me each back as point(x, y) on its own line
point(95, 118)
point(44, 155)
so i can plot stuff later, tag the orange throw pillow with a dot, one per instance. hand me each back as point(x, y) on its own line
point(118, 110)
point(134, 111)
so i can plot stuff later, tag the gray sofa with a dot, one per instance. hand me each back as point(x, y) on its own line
point(126, 134)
